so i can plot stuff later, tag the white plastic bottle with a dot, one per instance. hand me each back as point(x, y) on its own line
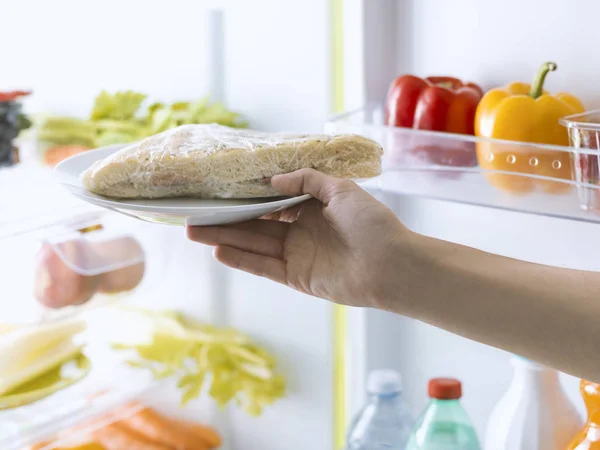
point(534, 414)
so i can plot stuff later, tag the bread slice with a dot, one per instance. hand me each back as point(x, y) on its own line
point(214, 161)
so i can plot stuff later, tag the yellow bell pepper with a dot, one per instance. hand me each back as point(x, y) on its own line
point(526, 113)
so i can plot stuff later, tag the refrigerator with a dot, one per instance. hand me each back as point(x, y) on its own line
point(310, 66)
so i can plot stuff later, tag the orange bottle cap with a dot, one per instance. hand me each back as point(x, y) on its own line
point(445, 389)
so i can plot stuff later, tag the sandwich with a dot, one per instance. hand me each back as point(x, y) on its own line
point(215, 161)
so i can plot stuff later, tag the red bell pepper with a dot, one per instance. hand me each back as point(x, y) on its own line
point(435, 104)
point(12, 95)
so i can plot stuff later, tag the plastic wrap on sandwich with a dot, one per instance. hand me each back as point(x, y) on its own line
point(215, 161)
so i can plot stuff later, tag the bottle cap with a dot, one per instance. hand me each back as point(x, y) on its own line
point(384, 382)
point(445, 389)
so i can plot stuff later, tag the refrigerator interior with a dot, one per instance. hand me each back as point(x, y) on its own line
point(231, 50)
point(491, 43)
point(183, 51)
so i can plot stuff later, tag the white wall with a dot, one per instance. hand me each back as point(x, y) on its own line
point(68, 50)
point(495, 42)
point(276, 54)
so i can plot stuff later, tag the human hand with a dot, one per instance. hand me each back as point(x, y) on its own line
point(347, 247)
point(342, 245)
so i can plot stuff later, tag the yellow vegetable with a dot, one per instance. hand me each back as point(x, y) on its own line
point(526, 113)
point(235, 367)
point(28, 352)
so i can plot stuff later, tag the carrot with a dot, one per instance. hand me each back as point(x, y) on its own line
point(145, 429)
point(86, 446)
point(161, 430)
point(118, 437)
point(56, 154)
point(39, 446)
point(207, 434)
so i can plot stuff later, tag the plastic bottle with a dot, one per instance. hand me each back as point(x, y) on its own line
point(444, 425)
point(385, 421)
point(589, 437)
point(534, 413)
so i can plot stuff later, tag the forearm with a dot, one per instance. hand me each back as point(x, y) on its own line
point(548, 314)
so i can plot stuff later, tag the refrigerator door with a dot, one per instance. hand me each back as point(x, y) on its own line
point(491, 43)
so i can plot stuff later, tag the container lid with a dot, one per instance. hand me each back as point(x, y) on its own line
point(384, 382)
point(445, 389)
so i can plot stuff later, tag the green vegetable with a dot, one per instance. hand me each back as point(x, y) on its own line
point(223, 361)
point(27, 353)
point(67, 131)
point(120, 106)
point(23, 122)
point(60, 377)
point(119, 119)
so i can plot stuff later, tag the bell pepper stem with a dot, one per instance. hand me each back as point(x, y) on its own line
point(537, 86)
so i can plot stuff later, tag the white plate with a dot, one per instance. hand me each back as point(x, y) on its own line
point(176, 211)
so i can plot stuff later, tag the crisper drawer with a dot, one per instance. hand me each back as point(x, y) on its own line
point(123, 419)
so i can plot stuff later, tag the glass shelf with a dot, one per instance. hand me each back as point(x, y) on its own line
point(30, 200)
point(547, 180)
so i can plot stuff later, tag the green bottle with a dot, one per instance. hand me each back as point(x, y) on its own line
point(444, 425)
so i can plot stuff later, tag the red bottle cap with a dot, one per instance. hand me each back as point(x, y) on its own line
point(445, 389)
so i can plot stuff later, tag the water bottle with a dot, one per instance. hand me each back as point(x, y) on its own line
point(385, 421)
point(444, 425)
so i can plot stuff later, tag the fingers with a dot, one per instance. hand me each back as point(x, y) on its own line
point(263, 237)
point(309, 181)
point(260, 265)
point(270, 228)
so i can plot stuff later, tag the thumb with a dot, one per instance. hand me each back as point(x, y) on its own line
point(309, 181)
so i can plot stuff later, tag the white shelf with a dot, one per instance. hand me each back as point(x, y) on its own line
point(31, 200)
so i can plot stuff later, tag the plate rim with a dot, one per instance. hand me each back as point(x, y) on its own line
point(98, 200)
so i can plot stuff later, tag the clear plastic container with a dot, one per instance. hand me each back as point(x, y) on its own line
point(584, 134)
point(63, 255)
point(111, 420)
point(386, 420)
point(95, 394)
point(518, 176)
point(79, 264)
